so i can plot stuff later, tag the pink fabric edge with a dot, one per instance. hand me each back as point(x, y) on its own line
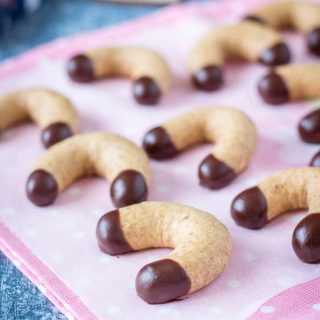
point(42, 276)
point(32, 267)
point(289, 299)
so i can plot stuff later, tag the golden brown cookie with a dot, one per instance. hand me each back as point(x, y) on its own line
point(245, 40)
point(303, 16)
point(52, 112)
point(291, 82)
point(233, 133)
point(202, 246)
point(284, 191)
point(149, 71)
point(111, 156)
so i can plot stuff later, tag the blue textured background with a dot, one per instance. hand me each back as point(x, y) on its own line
point(19, 298)
point(59, 18)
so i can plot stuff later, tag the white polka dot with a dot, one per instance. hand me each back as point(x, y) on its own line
point(57, 257)
point(78, 235)
point(267, 309)
point(152, 257)
point(7, 171)
point(280, 135)
point(74, 191)
point(31, 233)
point(295, 218)
point(98, 212)
point(250, 182)
point(284, 282)
point(248, 256)
point(132, 285)
point(163, 189)
point(316, 306)
point(215, 310)
point(112, 310)
point(316, 271)
point(268, 231)
point(6, 211)
point(164, 310)
point(289, 155)
point(131, 132)
point(179, 169)
point(234, 283)
point(83, 282)
point(105, 259)
point(53, 213)
point(28, 152)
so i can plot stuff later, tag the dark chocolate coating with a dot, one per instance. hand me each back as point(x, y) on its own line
point(128, 187)
point(80, 69)
point(313, 41)
point(162, 281)
point(254, 19)
point(54, 133)
point(276, 55)
point(158, 144)
point(215, 174)
point(109, 234)
point(315, 161)
point(309, 127)
point(146, 91)
point(41, 188)
point(273, 89)
point(209, 78)
point(306, 239)
point(249, 209)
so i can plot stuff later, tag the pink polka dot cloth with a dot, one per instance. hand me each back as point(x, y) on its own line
point(56, 246)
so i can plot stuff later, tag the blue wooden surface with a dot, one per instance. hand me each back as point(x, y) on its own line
point(19, 298)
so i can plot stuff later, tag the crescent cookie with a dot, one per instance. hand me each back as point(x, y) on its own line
point(291, 82)
point(149, 71)
point(245, 40)
point(51, 111)
point(303, 16)
point(286, 190)
point(202, 246)
point(233, 133)
point(111, 156)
